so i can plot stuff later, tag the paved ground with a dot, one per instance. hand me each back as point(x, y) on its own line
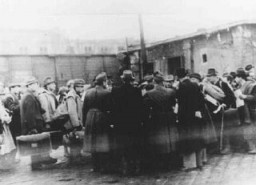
point(234, 169)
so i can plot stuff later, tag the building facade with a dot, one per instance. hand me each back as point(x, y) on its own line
point(225, 48)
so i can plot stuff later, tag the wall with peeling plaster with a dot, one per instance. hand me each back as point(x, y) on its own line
point(226, 50)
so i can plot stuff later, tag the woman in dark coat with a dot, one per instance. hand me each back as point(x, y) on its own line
point(95, 112)
point(160, 126)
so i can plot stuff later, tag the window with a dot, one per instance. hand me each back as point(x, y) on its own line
point(204, 56)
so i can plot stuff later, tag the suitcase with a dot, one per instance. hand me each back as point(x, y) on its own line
point(35, 144)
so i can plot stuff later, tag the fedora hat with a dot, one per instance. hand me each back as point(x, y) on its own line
point(78, 82)
point(101, 77)
point(31, 80)
point(249, 67)
point(48, 80)
point(211, 72)
point(196, 76)
point(241, 73)
point(158, 77)
point(127, 75)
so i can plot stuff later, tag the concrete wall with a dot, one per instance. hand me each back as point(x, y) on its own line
point(62, 68)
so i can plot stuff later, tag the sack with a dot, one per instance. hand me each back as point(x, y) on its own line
point(214, 91)
point(61, 112)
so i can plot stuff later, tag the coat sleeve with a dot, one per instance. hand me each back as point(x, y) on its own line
point(72, 110)
point(45, 106)
point(251, 97)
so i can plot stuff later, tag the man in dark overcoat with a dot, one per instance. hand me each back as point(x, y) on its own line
point(160, 128)
point(190, 104)
point(32, 121)
point(127, 119)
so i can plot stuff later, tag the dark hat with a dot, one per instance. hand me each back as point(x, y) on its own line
point(127, 75)
point(158, 77)
point(225, 74)
point(48, 80)
point(181, 72)
point(233, 74)
point(249, 67)
point(211, 72)
point(169, 78)
point(196, 75)
point(79, 82)
point(31, 80)
point(241, 73)
point(101, 77)
point(63, 90)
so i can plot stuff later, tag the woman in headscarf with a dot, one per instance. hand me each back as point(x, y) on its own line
point(95, 112)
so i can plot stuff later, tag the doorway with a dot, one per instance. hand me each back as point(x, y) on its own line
point(174, 63)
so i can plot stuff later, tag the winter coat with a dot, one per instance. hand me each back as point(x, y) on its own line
point(31, 114)
point(127, 115)
point(48, 103)
point(190, 101)
point(96, 108)
point(75, 105)
point(160, 126)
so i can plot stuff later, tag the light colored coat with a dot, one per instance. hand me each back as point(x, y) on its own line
point(75, 105)
point(48, 103)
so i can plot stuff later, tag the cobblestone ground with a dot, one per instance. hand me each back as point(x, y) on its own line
point(233, 169)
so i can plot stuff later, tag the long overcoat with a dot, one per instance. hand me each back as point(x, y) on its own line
point(249, 110)
point(31, 114)
point(190, 101)
point(160, 128)
point(96, 108)
point(128, 113)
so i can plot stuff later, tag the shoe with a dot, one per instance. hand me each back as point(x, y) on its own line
point(49, 160)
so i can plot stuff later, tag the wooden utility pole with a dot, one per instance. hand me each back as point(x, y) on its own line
point(143, 54)
point(126, 43)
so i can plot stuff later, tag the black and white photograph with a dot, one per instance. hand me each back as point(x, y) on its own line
point(127, 92)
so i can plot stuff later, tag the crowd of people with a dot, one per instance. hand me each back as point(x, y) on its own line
point(163, 122)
